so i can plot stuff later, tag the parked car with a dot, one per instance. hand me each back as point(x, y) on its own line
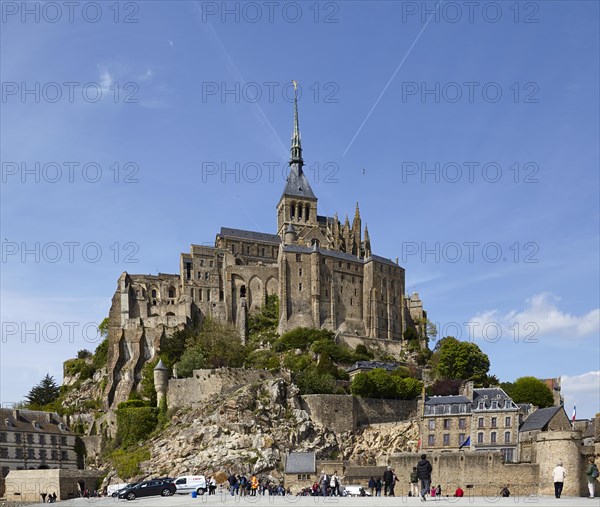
point(356, 491)
point(148, 488)
point(114, 489)
point(188, 483)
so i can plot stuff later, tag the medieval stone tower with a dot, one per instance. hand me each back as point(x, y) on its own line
point(324, 273)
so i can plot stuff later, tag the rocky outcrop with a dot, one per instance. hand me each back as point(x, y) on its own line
point(253, 428)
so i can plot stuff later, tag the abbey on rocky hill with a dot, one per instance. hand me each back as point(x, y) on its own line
point(324, 272)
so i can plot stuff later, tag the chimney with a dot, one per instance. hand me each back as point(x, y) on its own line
point(16, 414)
point(467, 389)
point(49, 417)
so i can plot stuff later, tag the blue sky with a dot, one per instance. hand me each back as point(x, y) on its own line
point(469, 138)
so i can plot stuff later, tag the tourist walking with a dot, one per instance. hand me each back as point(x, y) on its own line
point(388, 481)
point(324, 481)
point(378, 487)
point(592, 474)
point(233, 484)
point(372, 485)
point(414, 482)
point(424, 469)
point(558, 476)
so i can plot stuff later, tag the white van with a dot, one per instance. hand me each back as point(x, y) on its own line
point(188, 483)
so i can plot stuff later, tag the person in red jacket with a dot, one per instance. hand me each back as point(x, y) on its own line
point(459, 492)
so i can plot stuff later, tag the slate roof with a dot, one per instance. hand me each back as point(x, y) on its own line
point(447, 400)
point(25, 421)
point(250, 235)
point(297, 185)
point(383, 260)
point(487, 395)
point(539, 419)
point(300, 463)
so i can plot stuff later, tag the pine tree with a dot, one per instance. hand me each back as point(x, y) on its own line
point(44, 393)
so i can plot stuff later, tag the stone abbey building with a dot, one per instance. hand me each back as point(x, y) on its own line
point(323, 271)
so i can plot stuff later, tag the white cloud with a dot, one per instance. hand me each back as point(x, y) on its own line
point(106, 80)
point(582, 391)
point(146, 75)
point(542, 314)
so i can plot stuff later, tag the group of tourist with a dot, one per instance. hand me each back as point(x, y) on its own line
point(242, 486)
point(420, 483)
point(51, 497)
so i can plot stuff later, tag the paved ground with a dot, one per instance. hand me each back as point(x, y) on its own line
point(288, 501)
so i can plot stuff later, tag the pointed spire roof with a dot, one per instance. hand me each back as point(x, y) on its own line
point(160, 365)
point(296, 138)
point(297, 184)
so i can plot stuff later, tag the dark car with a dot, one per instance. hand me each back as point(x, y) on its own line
point(149, 488)
point(115, 494)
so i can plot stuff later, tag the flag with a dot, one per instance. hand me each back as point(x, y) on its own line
point(466, 443)
point(574, 413)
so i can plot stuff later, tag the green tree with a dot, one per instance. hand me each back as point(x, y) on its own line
point(193, 358)
point(301, 338)
point(379, 383)
point(507, 387)
point(84, 354)
point(148, 390)
point(362, 353)
point(262, 325)
point(310, 381)
point(532, 390)
point(460, 360)
point(262, 359)
point(44, 393)
point(100, 358)
point(385, 386)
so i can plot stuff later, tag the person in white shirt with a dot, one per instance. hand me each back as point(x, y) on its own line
point(558, 476)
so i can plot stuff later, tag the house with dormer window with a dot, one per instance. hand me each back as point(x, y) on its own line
point(32, 439)
point(478, 419)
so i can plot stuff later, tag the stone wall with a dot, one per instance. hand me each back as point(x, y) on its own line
point(477, 473)
point(341, 412)
point(27, 485)
point(208, 383)
point(376, 411)
point(334, 411)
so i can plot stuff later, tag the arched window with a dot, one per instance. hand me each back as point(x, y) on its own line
point(292, 210)
point(171, 292)
point(299, 211)
point(307, 212)
point(243, 291)
point(154, 293)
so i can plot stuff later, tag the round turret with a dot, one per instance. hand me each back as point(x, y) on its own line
point(563, 446)
point(161, 381)
point(290, 235)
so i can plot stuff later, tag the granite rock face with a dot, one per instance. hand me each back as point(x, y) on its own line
point(252, 429)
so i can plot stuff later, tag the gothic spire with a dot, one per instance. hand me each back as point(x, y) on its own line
point(296, 142)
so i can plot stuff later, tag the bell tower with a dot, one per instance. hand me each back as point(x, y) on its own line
point(298, 203)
